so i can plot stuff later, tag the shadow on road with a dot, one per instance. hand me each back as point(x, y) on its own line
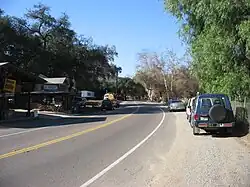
point(46, 120)
point(59, 121)
point(129, 108)
point(241, 128)
point(219, 135)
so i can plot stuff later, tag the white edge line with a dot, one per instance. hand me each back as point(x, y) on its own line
point(41, 128)
point(21, 132)
point(105, 170)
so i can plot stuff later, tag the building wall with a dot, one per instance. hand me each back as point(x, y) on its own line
point(38, 87)
point(61, 87)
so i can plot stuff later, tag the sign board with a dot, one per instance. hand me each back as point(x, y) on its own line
point(50, 87)
point(9, 85)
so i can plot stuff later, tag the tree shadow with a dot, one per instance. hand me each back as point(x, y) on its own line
point(45, 122)
point(130, 108)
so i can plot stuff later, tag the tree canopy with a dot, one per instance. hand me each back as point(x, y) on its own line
point(165, 75)
point(218, 36)
point(43, 44)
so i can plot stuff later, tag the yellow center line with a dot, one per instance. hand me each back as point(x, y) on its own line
point(38, 146)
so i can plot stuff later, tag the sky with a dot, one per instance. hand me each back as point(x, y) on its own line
point(131, 25)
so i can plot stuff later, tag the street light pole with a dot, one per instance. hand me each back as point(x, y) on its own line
point(116, 84)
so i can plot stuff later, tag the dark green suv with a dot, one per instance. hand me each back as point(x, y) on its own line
point(212, 113)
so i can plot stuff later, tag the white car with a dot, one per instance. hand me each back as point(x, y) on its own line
point(189, 107)
point(176, 105)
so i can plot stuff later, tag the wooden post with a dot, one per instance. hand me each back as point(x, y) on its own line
point(4, 106)
point(29, 101)
point(2, 116)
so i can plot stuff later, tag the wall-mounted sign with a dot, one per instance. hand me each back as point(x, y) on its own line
point(50, 87)
point(9, 85)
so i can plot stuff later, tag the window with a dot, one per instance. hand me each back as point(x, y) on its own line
point(206, 103)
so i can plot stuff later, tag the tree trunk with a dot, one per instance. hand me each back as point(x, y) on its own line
point(165, 84)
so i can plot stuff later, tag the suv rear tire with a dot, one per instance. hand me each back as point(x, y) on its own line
point(217, 113)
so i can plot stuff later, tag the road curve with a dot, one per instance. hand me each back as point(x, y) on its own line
point(148, 148)
point(74, 161)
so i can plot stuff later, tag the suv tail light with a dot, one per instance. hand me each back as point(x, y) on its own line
point(196, 117)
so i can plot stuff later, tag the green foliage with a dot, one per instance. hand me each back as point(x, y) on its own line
point(128, 86)
point(43, 44)
point(125, 86)
point(163, 76)
point(218, 34)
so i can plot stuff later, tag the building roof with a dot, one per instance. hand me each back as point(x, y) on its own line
point(42, 76)
point(3, 63)
point(58, 80)
point(24, 76)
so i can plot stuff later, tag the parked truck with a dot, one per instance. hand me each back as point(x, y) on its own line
point(87, 94)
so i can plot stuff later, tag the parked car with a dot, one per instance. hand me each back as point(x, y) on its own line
point(107, 104)
point(78, 103)
point(190, 107)
point(176, 105)
point(212, 113)
point(113, 99)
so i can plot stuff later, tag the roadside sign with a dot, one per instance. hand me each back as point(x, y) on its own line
point(10, 85)
point(50, 87)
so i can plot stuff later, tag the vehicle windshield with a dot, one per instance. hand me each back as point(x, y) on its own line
point(106, 101)
point(175, 101)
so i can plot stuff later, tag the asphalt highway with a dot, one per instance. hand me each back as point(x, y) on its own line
point(139, 144)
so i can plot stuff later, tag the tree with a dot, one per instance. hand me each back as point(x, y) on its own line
point(117, 71)
point(185, 85)
point(42, 23)
point(217, 33)
point(43, 44)
point(163, 76)
point(128, 86)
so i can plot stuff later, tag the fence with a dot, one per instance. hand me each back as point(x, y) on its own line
point(241, 108)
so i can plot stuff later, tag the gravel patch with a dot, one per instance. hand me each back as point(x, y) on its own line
point(245, 140)
point(204, 160)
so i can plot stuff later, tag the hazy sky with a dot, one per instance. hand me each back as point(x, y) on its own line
point(131, 25)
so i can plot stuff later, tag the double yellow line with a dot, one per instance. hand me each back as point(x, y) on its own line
point(38, 146)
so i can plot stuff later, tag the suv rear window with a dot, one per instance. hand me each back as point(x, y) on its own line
point(206, 103)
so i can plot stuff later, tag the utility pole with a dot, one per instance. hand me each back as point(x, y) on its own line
point(116, 81)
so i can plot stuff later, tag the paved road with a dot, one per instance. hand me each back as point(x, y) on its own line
point(146, 148)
